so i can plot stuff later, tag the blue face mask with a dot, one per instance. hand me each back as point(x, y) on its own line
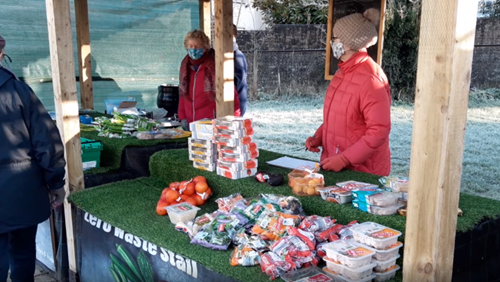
point(195, 54)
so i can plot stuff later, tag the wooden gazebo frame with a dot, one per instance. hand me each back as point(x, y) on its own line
point(443, 77)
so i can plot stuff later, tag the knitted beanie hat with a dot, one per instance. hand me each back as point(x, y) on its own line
point(2, 43)
point(358, 30)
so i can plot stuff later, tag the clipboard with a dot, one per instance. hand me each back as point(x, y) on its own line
point(291, 163)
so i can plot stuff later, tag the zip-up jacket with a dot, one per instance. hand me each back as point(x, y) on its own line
point(357, 116)
point(32, 156)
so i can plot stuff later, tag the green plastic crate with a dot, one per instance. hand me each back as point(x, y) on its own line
point(91, 153)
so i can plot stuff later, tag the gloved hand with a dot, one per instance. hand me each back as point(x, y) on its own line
point(312, 144)
point(335, 163)
point(57, 197)
point(185, 124)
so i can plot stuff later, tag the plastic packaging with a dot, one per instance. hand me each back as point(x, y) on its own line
point(182, 212)
point(335, 194)
point(232, 123)
point(306, 274)
point(384, 265)
point(349, 253)
point(389, 210)
point(395, 183)
point(375, 235)
point(353, 185)
point(339, 278)
point(388, 253)
point(350, 273)
point(376, 198)
point(387, 275)
point(305, 183)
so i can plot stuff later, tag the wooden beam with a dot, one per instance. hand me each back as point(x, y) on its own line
point(84, 54)
point(66, 104)
point(224, 57)
point(446, 44)
point(205, 17)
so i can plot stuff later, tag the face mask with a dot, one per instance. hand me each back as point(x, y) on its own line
point(337, 49)
point(195, 54)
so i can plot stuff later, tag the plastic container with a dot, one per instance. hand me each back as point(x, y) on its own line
point(384, 265)
point(182, 212)
point(91, 153)
point(390, 210)
point(353, 185)
point(243, 149)
point(387, 275)
point(202, 143)
point(339, 278)
point(335, 194)
point(250, 164)
point(395, 183)
point(202, 126)
point(236, 174)
point(304, 183)
point(349, 253)
point(232, 142)
point(232, 123)
point(204, 166)
point(308, 274)
point(375, 235)
point(388, 253)
point(376, 198)
point(348, 272)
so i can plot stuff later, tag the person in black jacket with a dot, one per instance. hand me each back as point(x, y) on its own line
point(32, 172)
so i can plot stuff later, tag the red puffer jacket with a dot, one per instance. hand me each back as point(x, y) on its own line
point(198, 104)
point(357, 116)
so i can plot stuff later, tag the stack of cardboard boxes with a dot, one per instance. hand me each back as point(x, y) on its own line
point(236, 151)
point(202, 150)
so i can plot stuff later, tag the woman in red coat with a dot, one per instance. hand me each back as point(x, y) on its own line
point(357, 109)
point(197, 81)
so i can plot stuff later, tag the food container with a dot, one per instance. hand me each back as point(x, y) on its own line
point(304, 183)
point(307, 274)
point(236, 174)
point(250, 148)
point(388, 253)
point(384, 265)
point(232, 123)
point(182, 212)
point(375, 235)
point(353, 185)
point(230, 157)
point(395, 183)
point(349, 253)
point(387, 275)
point(201, 126)
point(202, 135)
point(204, 166)
point(202, 158)
point(232, 142)
point(203, 143)
point(350, 273)
point(339, 278)
point(233, 133)
point(335, 194)
point(203, 151)
point(250, 164)
point(376, 198)
point(390, 210)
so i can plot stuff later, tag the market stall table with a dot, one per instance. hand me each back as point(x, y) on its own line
point(124, 213)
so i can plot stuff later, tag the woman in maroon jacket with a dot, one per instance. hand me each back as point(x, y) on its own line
point(197, 81)
point(357, 107)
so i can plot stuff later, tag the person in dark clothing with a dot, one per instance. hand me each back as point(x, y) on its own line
point(32, 172)
point(240, 73)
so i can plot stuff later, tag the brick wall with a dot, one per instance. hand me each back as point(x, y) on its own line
point(291, 58)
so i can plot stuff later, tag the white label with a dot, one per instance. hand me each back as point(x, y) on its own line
point(89, 165)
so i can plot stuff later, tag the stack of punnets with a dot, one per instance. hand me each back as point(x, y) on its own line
point(136, 199)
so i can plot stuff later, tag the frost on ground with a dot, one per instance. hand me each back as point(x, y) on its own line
point(283, 125)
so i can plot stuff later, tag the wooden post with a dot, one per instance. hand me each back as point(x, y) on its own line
point(206, 17)
point(224, 57)
point(444, 69)
point(84, 54)
point(66, 104)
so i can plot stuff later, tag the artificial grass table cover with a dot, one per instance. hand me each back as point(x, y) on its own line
point(130, 205)
point(112, 148)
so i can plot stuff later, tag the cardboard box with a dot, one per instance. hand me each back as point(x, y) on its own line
point(201, 143)
point(236, 174)
point(232, 142)
point(232, 123)
point(204, 166)
point(228, 157)
point(252, 147)
point(250, 164)
point(233, 133)
point(201, 126)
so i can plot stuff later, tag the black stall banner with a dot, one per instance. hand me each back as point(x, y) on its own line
point(108, 253)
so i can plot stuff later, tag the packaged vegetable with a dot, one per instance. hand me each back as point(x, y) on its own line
point(353, 185)
point(376, 198)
